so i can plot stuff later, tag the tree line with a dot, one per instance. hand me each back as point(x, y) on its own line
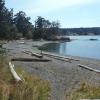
point(80, 31)
point(16, 26)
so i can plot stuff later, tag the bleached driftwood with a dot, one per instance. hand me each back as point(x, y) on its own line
point(15, 75)
point(89, 68)
point(33, 54)
point(62, 59)
point(59, 56)
point(37, 55)
point(27, 52)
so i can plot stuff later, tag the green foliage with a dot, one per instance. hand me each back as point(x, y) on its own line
point(45, 29)
point(11, 25)
point(6, 22)
point(23, 25)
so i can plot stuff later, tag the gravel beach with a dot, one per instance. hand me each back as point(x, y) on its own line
point(64, 76)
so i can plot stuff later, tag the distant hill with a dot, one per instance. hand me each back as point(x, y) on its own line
point(80, 31)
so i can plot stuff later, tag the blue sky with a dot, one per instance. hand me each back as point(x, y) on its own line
point(70, 13)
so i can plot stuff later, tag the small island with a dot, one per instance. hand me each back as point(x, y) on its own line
point(93, 39)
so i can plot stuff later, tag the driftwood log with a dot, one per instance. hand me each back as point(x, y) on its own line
point(37, 55)
point(30, 59)
point(33, 54)
point(15, 75)
point(89, 68)
point(59, 57)
point(26, 52)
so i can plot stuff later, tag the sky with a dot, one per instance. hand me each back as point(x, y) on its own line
point(70, 13)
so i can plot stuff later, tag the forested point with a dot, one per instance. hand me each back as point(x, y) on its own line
point(16, 26)
point(80, 31)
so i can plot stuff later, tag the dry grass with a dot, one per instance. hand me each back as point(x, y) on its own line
point(5, 74)
point(85, 91)
point(32, 88)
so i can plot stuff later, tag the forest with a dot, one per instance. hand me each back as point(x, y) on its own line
point(16, 26)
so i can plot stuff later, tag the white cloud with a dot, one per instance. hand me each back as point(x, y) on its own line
point(42, 6)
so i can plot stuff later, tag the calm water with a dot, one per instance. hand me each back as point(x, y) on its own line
point(80, 46)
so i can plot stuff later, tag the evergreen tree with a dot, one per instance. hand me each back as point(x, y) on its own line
point(23, 24)
point(45, 29)
point(6, 22)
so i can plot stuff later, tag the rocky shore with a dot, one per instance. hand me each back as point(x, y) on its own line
point(63, 76)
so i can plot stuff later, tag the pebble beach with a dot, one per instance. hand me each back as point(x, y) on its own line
point(63, 76)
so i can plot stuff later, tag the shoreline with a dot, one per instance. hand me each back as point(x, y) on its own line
point(62, 76)
point(36, 44)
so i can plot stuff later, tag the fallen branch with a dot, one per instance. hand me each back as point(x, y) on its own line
point(15, 75)
point(89, 68)
point(30, 59)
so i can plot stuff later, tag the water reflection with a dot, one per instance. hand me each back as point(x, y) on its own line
point(63, 48)
point(80, 46)
point(51, 47)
